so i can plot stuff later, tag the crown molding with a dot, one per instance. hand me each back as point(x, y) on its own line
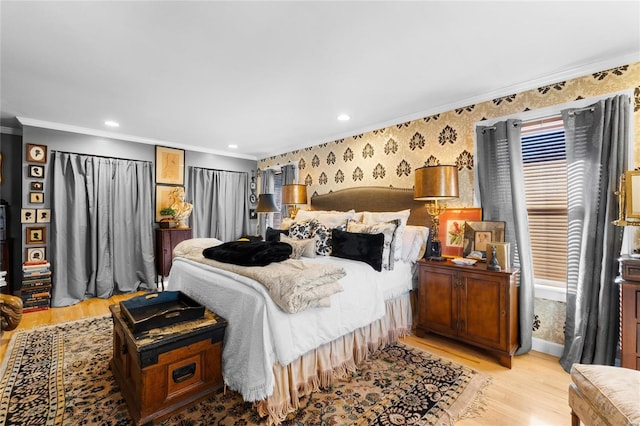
point(10, 131)
point(567, 74)
point(32, 122)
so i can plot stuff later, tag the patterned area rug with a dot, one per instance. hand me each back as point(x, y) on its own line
point(59, 375)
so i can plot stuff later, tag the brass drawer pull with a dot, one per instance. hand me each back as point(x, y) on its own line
point(184, 373)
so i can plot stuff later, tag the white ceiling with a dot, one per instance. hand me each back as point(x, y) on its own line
point(273, 76)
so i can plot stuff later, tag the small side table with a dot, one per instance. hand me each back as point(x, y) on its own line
point(164, 370)
point(166, 240)
point(630, 313)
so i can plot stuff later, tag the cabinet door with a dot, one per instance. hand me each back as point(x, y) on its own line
point(483, 310)
point(438, 300)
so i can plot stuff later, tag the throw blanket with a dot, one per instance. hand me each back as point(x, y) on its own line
point(292, 284)
point(249, 253)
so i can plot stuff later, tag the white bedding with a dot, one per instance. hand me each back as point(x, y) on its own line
point(259, 333)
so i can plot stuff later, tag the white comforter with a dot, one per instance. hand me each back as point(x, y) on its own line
point(259, 333)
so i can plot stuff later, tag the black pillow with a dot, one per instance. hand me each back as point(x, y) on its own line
point(274, 234)
point(366, 248)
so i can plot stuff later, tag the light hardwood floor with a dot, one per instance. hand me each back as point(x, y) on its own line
point(533, 392)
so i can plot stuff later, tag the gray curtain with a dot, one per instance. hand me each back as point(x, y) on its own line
point(102, 230)
point(267, 186)
point(597, 141)
point(502, 196)
point(220, 203)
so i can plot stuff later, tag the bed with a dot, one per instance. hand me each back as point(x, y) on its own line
point(272, 357)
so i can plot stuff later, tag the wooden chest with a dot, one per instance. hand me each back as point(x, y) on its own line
point(164, 370)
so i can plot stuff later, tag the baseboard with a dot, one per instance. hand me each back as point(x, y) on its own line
point(550, 348)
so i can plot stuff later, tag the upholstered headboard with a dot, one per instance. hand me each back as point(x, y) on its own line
point(374, 199)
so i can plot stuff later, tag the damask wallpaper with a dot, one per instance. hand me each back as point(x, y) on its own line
point(388, 156)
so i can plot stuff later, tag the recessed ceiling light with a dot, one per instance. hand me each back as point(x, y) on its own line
point(111, 123)
point(344, 117)
point(232, 146)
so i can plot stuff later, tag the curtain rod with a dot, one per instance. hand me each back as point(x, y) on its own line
point(217, 170)
point(100, 156)
point(579, 110)
point(515, 124)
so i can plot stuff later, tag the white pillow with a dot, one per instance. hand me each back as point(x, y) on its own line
point(403, 216)
point(304, 215)
point(330, 219)
point(286, 223)
point(385, 228)
point(414, 242)
point(305, 247)
point(194, 244)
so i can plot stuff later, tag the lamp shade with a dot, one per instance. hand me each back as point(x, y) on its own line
point(266, 204)
point(294, 194)
point(436, 183)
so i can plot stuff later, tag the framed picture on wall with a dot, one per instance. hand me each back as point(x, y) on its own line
point(36, 153)
point(35, 253)
point(36, 171)
point(163, 199)
point(169, 165)
point(36, 234)
point(43, 216)
point(451, 229)
point(36, 197)
point(36, 185)
point(28, 216)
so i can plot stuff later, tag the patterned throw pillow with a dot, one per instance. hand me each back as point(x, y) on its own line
point(303, 230)
point(313, 228)
point(386, 228)
point(403, 216)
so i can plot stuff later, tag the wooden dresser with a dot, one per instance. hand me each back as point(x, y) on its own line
point(630, 313)
point(470, 304)
point(166, 240)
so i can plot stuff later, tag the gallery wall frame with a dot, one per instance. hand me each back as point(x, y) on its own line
point(36, 197)
point(35, 253)
point(169, 165)
point(36, 153)
point(43, 215)
point(28, 216)
point(36, 234)
point(451, 229)
point(35, 171)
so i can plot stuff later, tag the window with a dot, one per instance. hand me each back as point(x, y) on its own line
point(545, 176)
point(277, 195)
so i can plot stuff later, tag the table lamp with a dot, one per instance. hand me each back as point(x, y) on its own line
point(434, 183)
point(266, 204)
point(292, 195)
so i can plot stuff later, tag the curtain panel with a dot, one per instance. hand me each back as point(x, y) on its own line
point(597, 145)
point(502, 196)
point(220, 203)
point(102, 230)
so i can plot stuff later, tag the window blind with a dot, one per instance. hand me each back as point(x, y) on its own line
point(545, 175)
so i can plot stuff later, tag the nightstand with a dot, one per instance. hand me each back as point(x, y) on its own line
point(471, 304)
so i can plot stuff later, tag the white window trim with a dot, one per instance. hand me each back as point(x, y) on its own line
point(541, 290)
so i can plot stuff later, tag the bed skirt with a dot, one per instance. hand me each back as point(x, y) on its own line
point(334, 360)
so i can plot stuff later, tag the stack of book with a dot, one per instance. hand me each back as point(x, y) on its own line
point(3, 281)
point(36, 285)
